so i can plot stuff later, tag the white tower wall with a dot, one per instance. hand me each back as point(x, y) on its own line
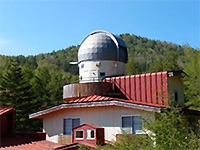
point(94, 71)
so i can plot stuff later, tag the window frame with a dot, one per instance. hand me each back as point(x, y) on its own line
point(90, 138)
point(132, 130)
point(64, 133)
point(79, 138)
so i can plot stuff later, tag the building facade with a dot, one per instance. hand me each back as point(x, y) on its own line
point(105, 97)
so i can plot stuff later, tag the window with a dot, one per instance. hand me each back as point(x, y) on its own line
point(69, 124)
point(132, 124)
point(82, 66)
point(90, 134)
point(126, 122)
point(79, 134)
point(175, 97)
point(102, 73)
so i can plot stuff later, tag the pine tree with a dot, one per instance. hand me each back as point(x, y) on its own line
point(39, 87)
point(18, 94)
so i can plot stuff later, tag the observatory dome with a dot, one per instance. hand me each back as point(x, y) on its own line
point(102, 45)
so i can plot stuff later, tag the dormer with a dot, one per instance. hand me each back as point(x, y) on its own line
point(88, 134)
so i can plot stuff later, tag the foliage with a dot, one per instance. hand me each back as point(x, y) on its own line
point(151, 56)
point(167, 132)
point(130, 142)
point(172, 132)
point(83, 147)
point(17, 93)
point(192, 80)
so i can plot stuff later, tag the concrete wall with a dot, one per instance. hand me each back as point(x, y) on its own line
point(108, 117)
point(91, 70)
point(175, 84)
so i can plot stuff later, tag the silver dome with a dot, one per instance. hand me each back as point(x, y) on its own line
point(102, 45)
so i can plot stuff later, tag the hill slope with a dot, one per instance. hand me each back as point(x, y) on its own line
point(47, 73)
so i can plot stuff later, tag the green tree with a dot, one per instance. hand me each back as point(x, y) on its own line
point(39, 86)
point(167, 132)
point(171, 131)
point(171, 61)
point(132, 67)
point(192, 80)
point(18, 95)
point(157, 64)
point(55, 88)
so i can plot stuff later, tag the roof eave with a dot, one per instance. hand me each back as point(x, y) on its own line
point(39, 114)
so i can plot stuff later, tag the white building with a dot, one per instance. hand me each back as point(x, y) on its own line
point(114, 103)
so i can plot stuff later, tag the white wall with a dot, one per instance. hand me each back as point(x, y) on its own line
point(108, 117)
point(91, 70)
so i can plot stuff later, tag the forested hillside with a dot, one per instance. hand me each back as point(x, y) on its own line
point(35, 82)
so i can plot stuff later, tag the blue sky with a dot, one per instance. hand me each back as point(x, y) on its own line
point(36, 26)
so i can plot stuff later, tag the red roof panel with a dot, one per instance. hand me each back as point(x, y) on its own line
point(92, 98)
point(37, 145)
point(95, 98)
point(150, 88)
point(90, 125)
point(5, 109)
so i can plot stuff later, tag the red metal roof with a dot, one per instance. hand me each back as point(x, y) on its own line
point(146, 89)
point(149, 88)
point(20, 138)
point(90, 125)
point(97, 98)
point(73, 146)
point(92, 98)
point(5, 109)
point(38, 145)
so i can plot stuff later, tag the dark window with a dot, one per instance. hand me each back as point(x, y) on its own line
point(69, 124)
point(136, 123)
point(90, 134)
point(79, 134)
point(133, 123)
point(102, 73)
point(126, 122)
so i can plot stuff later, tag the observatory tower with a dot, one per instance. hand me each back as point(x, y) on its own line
point(101, 54)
